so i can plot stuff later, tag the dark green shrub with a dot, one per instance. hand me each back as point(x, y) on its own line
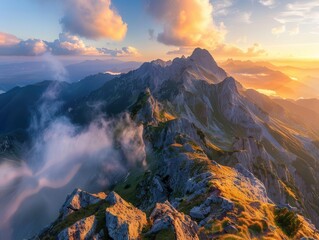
point(288, 221)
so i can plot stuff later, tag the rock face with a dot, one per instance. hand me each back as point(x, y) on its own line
point(83, 229)
point(123, 221)
point(79, 199)
point(165, 216)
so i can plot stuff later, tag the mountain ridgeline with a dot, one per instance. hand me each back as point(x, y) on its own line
point(222, 161)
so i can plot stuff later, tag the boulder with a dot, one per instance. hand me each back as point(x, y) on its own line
point(83, 229)
point(165, 216)
point(79, 199)
point(123, 220)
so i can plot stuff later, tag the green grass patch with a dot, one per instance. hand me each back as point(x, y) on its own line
point(97, 209)
point(288, 221)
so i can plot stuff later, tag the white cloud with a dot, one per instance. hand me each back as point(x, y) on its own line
point(246, 17)
point(93, 19)
point(305, 12)
point(71, 45)
point(267, 3)
point(278, 30)
point(222, 7)
point(186, 23)
point(123, 52)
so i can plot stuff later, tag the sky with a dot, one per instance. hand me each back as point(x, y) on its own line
point(148, 29)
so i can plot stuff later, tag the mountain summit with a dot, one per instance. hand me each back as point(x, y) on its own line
point(204, 58)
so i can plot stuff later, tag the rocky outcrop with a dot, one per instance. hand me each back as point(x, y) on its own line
point(79, 199)
point(165, 216)
point(123, 220)
point(83, 229)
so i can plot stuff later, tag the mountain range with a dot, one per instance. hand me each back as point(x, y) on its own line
point(221, 161)
point(48, 68)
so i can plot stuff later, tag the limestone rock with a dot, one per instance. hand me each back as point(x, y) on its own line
point(79, 199)
point(123, 220)
point(165, 215)
point(83, 229)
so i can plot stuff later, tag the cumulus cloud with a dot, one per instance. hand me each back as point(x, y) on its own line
point(30, 47)
point(186, 22)
point(93, 19)
point(7, 39)
point(67, 44)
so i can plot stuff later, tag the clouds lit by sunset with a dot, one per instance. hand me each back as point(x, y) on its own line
point(261, 29)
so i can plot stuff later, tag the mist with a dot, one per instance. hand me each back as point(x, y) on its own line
point(56, 67)
point(64, 156)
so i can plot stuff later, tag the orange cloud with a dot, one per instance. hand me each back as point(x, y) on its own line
point(66, 44)
point(230, 51)
point(16, 47)
point(93, 19)
point(186, 23)
point(7, 39)
point(224, 50)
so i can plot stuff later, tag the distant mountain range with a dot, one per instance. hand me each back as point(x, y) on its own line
point(268, 78)
point(26, 73)
point(221, 161)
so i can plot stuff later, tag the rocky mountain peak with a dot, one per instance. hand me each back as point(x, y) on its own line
point(202, 57)
point(161, 62)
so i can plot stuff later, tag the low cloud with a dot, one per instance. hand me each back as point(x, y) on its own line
point(66, 44)
point(64, 156)
point(56, 68)
point(123, 52)
point(186, 23)
point(93, 19)
point(268, 92)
